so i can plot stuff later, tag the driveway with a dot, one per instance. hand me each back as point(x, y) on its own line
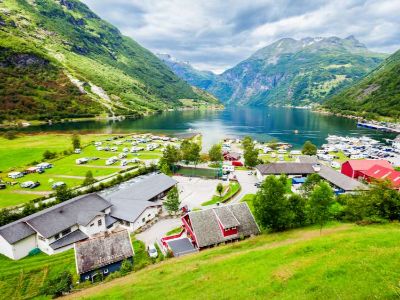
point(247, 183)
point(194, 191)
point(158, 230)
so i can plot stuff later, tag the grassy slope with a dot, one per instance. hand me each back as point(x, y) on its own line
point(22, 279)
point(345, 262)
point(72, 39)
point(378, 94)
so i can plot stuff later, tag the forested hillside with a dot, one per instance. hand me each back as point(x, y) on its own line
point(59, 59)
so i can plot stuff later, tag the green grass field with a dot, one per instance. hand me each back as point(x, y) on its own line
point(249, 198)
point(233, 189)
point(22, 279)
point(17, 154)
point(345, 262)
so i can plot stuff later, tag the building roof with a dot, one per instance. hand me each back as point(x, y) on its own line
point(206, 228)
point(340, 180)
point(103, 250)
point(110, 221)
point(52, 220)
point(129, 200)
point(16, 231)
point(144, 189)
point(80, 210)
point(382, 173)
point(69, 239)
point(365, 164)
point(226, 217)
point(291, 168)
point(181, 246)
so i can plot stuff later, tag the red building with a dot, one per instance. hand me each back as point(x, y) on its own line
point(209, 227)
point(378, 172)
point(355, 168)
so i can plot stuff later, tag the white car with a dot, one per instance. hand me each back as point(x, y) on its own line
point(152, 251)
point(27, 184)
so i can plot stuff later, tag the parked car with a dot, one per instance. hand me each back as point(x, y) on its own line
point(257, 184)
point(35, 185)
point(30, 184)
point(224, 177)
point(57, 184)
point(152, 251)
point(250, 173)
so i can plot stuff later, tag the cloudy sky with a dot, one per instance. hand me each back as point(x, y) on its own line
point(215, 35)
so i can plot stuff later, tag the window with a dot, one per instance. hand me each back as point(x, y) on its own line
point(105, 271)
point(99, 222)
point(91, 225)
point(144, 220)
point(66, 231)
point(57, 236)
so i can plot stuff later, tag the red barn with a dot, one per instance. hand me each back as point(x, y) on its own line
point(377, 172)
point(355, 168)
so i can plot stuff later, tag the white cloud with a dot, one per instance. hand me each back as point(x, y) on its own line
point(217, 34)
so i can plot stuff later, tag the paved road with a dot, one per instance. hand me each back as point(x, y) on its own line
point(158, 230)
point(247, 183)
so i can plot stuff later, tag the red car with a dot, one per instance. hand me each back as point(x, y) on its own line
point(237, 164)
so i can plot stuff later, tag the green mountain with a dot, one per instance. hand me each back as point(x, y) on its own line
point(201, 79)
point(288, 72)
point(60, 60)
point(378, 94)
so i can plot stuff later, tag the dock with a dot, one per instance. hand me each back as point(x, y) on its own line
point(378, 127)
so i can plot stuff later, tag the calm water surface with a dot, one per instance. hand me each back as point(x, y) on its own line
point(262, 124)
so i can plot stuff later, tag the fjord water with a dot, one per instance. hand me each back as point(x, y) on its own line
point(262, 124)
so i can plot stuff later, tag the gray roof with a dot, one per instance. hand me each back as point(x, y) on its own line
point(206, 228)
point(53, 220)
point(340, 180)
point(126, 210)
point(226, 217)
point(144, 189)
point(103, 250)
point(69, 239)
point(16, 231)
point(80, 210)
point(181, 247)
point(291, 168)
point(110, 220)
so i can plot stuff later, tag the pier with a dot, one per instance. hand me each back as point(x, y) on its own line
point(379, 127)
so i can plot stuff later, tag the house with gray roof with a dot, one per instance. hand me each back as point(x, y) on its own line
point(130, 205)
point(287, 168)
point(57, 228)
point(103, 254)
point(139, 201)
point(220, 224)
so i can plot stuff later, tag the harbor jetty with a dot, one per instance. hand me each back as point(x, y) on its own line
point(381, 126)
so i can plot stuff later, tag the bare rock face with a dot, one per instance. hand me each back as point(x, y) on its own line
point(23, 60)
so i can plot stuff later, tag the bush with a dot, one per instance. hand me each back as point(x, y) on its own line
point(58, 285)
point(10, 135)
point(126, 267)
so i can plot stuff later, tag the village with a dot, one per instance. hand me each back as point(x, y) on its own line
point(213, 197)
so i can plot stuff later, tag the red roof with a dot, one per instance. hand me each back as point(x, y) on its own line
point(365, 164)
point(382, 173)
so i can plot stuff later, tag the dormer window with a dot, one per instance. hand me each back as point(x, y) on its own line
point(99, 222)
point(57, 236)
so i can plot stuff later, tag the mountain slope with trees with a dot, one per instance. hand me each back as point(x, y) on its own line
point(287, 72)
point(59, 59)
point(378, 94)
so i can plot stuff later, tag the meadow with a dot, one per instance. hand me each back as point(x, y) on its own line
point(18, 155)
point(345, 262)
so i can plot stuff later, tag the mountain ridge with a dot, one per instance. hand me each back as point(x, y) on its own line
point(86, 66)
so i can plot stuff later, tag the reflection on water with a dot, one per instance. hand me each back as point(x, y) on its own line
point(261, 123)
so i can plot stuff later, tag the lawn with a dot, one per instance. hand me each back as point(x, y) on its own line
point(345, 262)
point(174, 231)
point(233, 189)
point(14, 154)
point(249, 198)
point(22, 279)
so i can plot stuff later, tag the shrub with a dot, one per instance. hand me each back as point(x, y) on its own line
point(126, 267)
point(58, 285)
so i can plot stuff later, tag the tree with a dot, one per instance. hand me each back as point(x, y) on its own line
point(247, 142)
point(63, 193)
point(10, 135)
point(76, 141)
point(309, 148)
point(297, 205)
point(171, 156)
point(271, 207)
point(220, 189)
point(190, 152)
point(58, 285)
point(250, 153)
point(310, 183)
point(172, 203)
point(321, 198)
point(215, 153)
point(164, 168)
point(49, 155)
point(89, 179)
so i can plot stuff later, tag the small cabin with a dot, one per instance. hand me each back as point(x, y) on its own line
point(103, 254)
